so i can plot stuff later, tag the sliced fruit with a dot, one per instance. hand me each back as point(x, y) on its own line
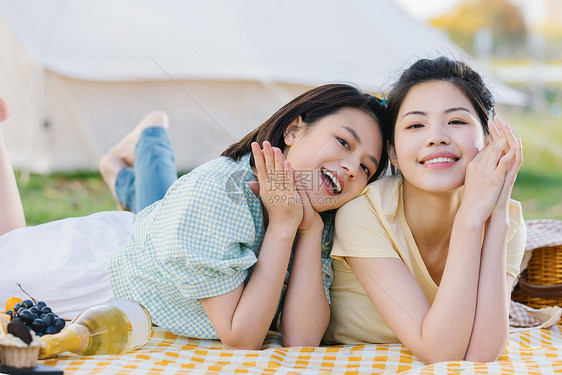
point(11, 302)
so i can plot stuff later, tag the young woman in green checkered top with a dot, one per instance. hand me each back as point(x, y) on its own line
point(211, 259)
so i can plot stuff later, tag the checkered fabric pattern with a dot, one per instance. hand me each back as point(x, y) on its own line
point(520, 317)
point(543, 233)
point(535, 351)
point(201, 240)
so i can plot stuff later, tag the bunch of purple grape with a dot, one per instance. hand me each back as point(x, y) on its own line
point(37, 317)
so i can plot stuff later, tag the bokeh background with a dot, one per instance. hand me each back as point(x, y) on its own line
point(520, 43)
point(80, 73)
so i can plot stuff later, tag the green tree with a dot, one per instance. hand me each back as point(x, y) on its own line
point(502, 18)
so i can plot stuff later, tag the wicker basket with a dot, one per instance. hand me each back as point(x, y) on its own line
point(540, 284)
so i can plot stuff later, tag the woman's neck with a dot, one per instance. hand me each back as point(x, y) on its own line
point(430, 217)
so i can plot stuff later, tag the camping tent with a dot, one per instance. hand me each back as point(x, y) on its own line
point(80, 73)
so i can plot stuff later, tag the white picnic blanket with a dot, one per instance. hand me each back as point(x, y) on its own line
point(64, 262)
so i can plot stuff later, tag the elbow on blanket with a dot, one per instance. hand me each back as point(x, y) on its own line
point(237, 344)
point(302, 341)
point(432, 358)
point(487, 350)
point(241, 346)
point(436, 358)
point(484, 355)
point(298, 336)
point(430, 355)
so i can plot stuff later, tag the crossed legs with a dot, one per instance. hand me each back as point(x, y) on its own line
point(140, 168)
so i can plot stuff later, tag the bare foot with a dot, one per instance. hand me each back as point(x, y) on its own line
point(109, 166)
point(125, 149)
point(4, 110)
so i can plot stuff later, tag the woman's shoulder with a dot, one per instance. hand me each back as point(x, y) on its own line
point(387, 185)
point(382, 195)
point(221, 168)
point(216, 174)
point(379, 198)
point(221, 182)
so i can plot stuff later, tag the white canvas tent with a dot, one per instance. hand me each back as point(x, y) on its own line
point(80, 73)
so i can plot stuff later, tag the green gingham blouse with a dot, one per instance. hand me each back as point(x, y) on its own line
point(201, 240)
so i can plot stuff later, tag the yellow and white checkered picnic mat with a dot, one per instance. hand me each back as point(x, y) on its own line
point(535, 351)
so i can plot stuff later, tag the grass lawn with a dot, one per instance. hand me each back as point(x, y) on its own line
point(61, 195)
point(540, 194)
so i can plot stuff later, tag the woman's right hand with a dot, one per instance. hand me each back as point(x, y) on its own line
point(277, 188)
point(486, 176)
point(499, 129)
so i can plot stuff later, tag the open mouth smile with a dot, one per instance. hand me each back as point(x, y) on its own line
point(439, 160)
point(330, 180)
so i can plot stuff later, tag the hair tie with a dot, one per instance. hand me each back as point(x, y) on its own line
point(382, 100)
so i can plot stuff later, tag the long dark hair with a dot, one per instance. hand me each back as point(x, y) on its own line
point(442, 69)
point(312, 106)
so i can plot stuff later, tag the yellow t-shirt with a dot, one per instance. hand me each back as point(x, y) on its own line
point(374, 225)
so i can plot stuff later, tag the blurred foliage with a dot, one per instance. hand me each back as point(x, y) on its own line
point(540, 194)
point(503, 19)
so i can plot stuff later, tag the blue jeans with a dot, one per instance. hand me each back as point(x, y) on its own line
point(154, 171)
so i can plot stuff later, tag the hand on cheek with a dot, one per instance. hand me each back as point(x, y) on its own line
point(512, 159)
point(485, 176)
point(491, 174)
point(277, 188)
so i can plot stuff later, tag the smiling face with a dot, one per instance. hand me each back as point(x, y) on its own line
point(437, 134)
point(335, 157)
